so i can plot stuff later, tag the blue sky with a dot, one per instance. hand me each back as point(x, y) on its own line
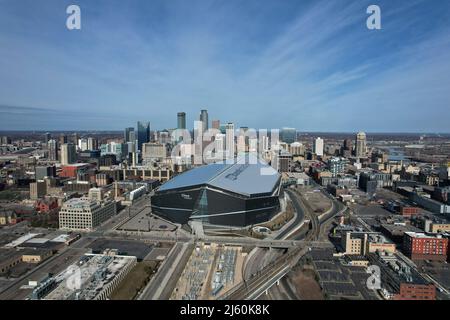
point(312, 65)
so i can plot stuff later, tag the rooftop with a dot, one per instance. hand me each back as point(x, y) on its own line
point(94, 272)
point(422, 235)
point(245, 175)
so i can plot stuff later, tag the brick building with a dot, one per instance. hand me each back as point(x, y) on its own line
point(411, 291)
point(419, 246)
point(46, 205)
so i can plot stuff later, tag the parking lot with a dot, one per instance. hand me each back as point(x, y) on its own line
point(338, 281)
point(144, 221)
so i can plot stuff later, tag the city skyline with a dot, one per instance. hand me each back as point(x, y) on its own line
point(218, 152)
point(298, 64)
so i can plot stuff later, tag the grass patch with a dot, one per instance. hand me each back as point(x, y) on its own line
point(135, 281)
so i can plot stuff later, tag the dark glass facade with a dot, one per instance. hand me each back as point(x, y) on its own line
point(215, 206)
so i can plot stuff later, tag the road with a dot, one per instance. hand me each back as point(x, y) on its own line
point(165, 280)
point(312, 235)
point(264, 279)
point(299, 216)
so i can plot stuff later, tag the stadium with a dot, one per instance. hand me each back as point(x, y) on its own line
point(236, 194)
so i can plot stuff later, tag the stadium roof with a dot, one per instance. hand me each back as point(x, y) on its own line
point(246, 175)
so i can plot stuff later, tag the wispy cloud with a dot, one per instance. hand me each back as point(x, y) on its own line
point(312, 65)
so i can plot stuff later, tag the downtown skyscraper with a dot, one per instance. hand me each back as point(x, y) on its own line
point(229, 141)
point(129, 135)
point(204, 119)
point(181, 120)
point(143, 133)
point(68, 153)
point(52, 146)
point(360, 145)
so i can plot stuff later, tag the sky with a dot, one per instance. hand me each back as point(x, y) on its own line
point(308, 64)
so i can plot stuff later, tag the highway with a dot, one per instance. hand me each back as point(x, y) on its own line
point(265, 278)
point(165, 280)
point(299, 216)
point(311, 236)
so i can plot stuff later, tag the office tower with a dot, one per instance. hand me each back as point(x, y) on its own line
point(181, 126)
point(253, 144)
point(219, 140)
point(204, 119)
point(318, 147)
point(68, 153)
point(297, 149)
point(181, 120)
point(242, 140)
point(164, 137)
point(37, 190)
point(107, 160)
point(85, 214)
point(52, 147)
point(288, 135)
point(83, 144)
point(75, 138)
point(198, 142)
point(229, 142)
point(153, 151)
point(45, 171)
point(143, 133)
point(264, 142)
point(360, 145)
point(120, 150)
point(348, 144)
point(47, 137)
point(5, 140)
point(215, 124)
point(129, 135)
point(346, 150)
point(92, 143)
point(62, 139)
point(284, 161)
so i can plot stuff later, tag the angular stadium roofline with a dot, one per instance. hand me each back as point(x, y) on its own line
point(247, 175)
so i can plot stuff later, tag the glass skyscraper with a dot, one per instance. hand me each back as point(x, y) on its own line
point(204, 119)
point(129, 135)
point(181, 120)
point(143, 133)
point(288, 135)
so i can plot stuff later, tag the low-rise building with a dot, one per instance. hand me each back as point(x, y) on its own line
point(430, 204)
point(100, 275)
point(362, 243)
point(431, 223)
point(85, 214)
point(8, 259)
point(7, 217)
point(419, 246)
point(72, 170)
point(35, 256)
point(46, 205)
point(412, 291)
